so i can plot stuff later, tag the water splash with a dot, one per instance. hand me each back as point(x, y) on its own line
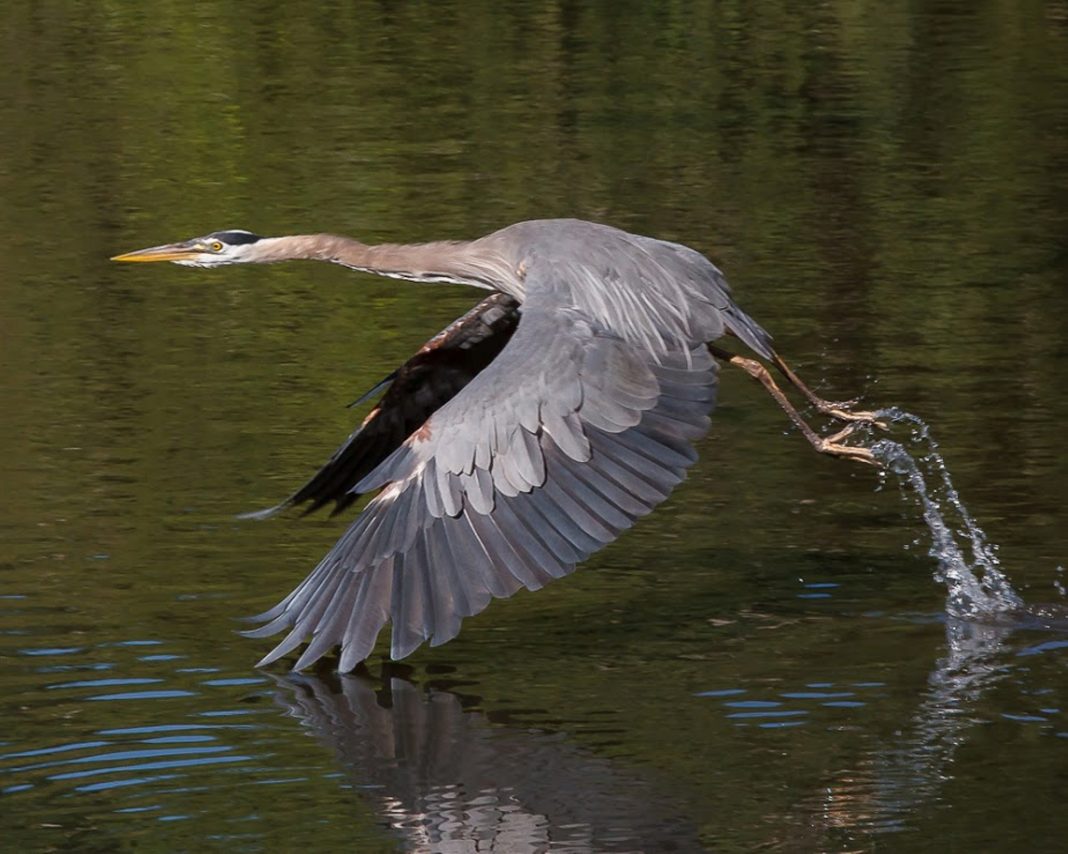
point(978, 589)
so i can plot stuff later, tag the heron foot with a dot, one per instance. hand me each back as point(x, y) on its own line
point(834, 445)
point(840, 411)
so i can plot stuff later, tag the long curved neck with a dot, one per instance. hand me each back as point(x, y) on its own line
point(464, 263)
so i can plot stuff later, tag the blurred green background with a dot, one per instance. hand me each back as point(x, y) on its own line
point(884, 185)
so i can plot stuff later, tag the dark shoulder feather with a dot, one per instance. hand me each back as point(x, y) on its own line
point(414, 392)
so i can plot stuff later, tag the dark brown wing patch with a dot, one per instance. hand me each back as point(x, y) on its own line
point(414, 392)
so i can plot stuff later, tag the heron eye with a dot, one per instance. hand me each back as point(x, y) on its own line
point(217, 246)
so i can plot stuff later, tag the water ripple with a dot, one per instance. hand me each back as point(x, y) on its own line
point(149, 766)
point(120, 755)
point(144, 695)
point(797, 703)
point(147, 752)
point(103, 683)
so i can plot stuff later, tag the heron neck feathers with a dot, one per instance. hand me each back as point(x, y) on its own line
point(459, 262)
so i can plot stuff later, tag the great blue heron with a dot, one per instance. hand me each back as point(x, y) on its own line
point(523, 437)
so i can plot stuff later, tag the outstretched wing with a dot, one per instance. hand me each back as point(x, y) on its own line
point(421, 386)
point(566, 439)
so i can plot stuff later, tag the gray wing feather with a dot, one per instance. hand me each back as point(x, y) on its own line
point(655, 294)
point(508, 485)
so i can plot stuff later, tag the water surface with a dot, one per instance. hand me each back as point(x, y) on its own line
point(765, 662)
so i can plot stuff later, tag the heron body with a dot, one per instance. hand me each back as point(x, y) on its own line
point(518, 441)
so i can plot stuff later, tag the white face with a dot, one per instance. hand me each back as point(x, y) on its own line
point(218, 248)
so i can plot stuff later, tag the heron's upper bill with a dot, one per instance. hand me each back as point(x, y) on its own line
point(169, 252)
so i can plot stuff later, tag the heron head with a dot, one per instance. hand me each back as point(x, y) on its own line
point(233, 246)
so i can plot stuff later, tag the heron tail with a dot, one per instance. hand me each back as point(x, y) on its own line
point(751, 333)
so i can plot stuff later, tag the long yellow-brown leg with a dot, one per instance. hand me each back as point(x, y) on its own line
point(835, 409)
point(832, 445)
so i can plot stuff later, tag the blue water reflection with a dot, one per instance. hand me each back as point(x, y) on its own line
point(826, 695)
point(127, 758)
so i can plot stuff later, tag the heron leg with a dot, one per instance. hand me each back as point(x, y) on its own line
point(835, 409)
point(833, 445)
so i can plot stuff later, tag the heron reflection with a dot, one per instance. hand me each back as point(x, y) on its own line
point(447, 780)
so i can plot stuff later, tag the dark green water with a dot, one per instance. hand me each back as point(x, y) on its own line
point(761, 664)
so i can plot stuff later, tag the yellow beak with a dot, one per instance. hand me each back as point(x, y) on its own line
point(170, 252)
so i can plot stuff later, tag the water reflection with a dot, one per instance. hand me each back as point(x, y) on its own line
point(884, 184)
point(447, 780)
point(150, 729)
point(896, 777)
point(149, 721)
point(911, 769)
